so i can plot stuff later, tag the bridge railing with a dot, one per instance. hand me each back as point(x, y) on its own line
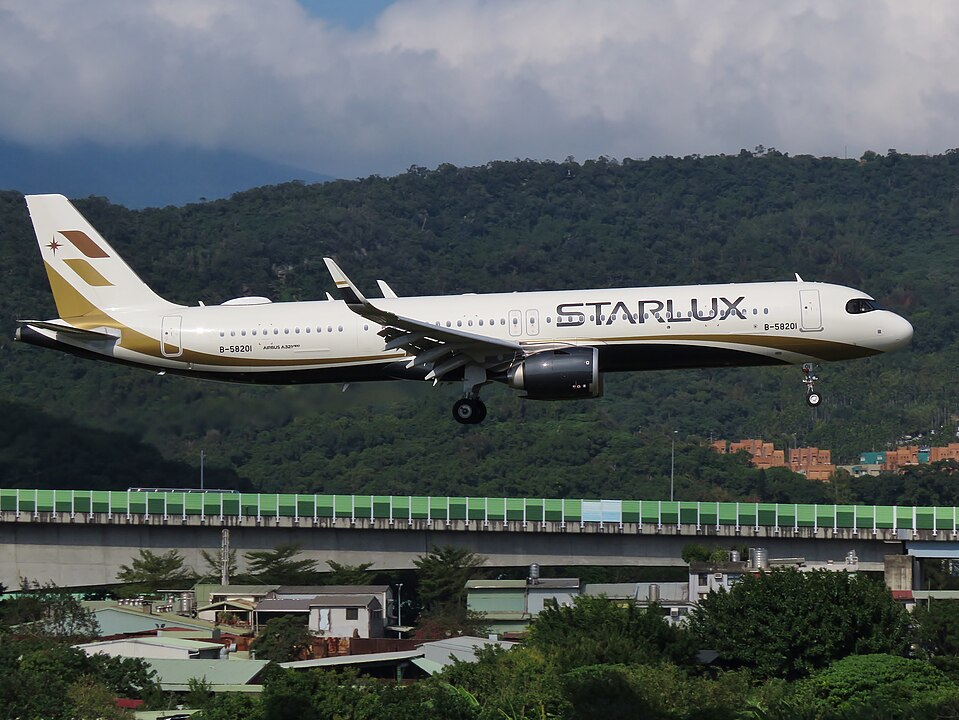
point(409, 508)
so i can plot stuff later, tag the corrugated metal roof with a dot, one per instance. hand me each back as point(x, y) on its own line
point(495, 584)
point(365, 659)
point(170, 642)
point(328, 589)
point(304, 604)
point(428, 666)
point(215, 672)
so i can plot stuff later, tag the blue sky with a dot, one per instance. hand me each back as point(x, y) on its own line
point(356, 88)
point(352, 14)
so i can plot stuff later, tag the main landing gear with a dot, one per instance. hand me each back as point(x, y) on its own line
point(469, 411)
point(809, 380)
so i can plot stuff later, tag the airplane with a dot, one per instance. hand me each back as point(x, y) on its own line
point(547, 345)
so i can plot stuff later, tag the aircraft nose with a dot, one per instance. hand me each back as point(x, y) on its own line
point(897, 332)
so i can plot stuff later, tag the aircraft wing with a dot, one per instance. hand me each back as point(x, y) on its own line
point(444, 349)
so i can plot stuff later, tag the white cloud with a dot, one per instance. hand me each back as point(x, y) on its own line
point(466, 82)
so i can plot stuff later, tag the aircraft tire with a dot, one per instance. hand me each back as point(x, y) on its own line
point(813, 399)
point(469, 411)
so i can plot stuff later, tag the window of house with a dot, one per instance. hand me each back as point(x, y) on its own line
point(703, 579)
point(352, 613)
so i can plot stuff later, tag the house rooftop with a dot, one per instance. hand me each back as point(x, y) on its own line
point(541, 584)
point(329, 589)
point(175, 675)
point(168, 642)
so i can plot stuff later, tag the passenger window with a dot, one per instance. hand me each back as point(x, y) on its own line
point(296, 330)
point(232, 333)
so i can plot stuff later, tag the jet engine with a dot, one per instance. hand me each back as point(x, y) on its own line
point(563, 374)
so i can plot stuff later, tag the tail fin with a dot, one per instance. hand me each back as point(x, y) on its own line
point(87, 276)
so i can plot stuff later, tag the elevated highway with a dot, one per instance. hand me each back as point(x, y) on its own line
point(81, 537)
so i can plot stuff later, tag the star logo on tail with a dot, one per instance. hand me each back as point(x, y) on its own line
point(54, 245)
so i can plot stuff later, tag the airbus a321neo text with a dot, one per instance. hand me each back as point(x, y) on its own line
point(548, 345)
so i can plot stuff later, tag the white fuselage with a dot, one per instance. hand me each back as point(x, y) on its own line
point(634, 329)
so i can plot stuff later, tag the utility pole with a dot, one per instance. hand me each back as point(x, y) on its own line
point(672, 466)
point(399, 609)
point(202, 455)
point(225, 556)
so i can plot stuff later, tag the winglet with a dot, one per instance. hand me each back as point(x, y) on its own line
point(386, 289)
point(354, 299)
point(348, 291)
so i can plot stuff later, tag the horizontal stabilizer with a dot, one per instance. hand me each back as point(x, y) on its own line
point(69, 330)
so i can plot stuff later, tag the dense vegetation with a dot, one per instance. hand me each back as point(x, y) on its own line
point(886, 224)
point(839, 646)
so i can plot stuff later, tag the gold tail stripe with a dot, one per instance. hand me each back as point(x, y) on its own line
point(88, 273)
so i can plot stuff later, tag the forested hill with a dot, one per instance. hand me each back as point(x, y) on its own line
point(886, 224)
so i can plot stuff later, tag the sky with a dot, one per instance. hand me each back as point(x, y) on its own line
point(363, 87)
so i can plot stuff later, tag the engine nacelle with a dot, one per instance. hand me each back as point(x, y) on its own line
point(559, 374)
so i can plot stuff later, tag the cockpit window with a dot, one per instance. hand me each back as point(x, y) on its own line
point(857, 306)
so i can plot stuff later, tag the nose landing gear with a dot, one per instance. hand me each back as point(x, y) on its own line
point(813, 398)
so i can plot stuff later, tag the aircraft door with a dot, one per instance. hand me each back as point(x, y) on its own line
point(515, 323)
point(532, 322)
point(811, 311)
point(170, 343)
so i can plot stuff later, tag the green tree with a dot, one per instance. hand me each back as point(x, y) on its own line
point(283, 639)
point(652, 692)
point(92, 700)
point(937, 625)
point(214, 564)
point(47, 611)
point(878, 686)
point(279, 566)
point(787, 624)
point(126, 677)
point(152, 571)
point(343, 574)
point(518, 683)
point(443, 573)
point(596, 630)
point(233, 706)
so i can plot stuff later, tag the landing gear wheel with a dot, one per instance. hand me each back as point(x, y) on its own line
point(469, 411)
point(809, 380)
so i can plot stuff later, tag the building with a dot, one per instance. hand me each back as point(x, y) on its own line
point(949, 452)
point(174, 675)
point(706, 577)
point(764, 454)
point(812, 462)
point(673, 597)
point(508, 605)
point(155, 647)
point(334, 614)
point(139, 618)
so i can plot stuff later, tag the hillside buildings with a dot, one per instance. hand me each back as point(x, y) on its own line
point(816, 463)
